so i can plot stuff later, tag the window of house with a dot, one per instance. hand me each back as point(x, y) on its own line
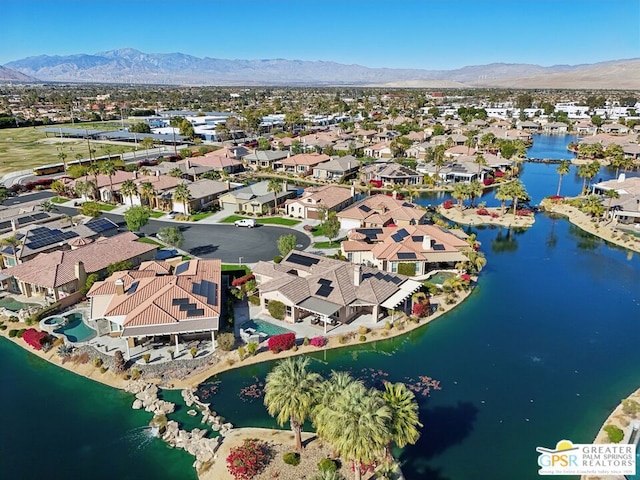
point(394, 267)
point(289, 311)
point(350, 256)
point(266, 303)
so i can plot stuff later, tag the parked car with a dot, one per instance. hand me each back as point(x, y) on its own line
point(171, 215)
point(245, 222)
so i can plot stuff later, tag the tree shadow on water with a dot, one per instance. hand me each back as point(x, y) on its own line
point(444, 427)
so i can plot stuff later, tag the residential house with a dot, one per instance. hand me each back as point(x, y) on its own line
point(264, 158)
point(256, 198)
point(585, 127)
point(625, 210)
point(13, 218)
point(528, 126)
point(331, 198)
point(366, 136)
point(337, 168)
point(615, 129)
point(331, 291)
point(151, 302)
point(351, 146)
point(380, 211)
point(555, 128)
point(427, 247)
point(62, 273)
point(418, 150)
point(203, 194)
point(59, 235)
point(391, 173)
point(301, 164)
point(379, 150)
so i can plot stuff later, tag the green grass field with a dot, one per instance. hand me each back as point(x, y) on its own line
point(155, 214)
point(265, 221)
point(28, 147)
point(199, 216)
point(333, 244)
point(150, 241)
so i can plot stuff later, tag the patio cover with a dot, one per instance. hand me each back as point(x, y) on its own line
point(183, 326)
point(436, 256)
point(319, 306)
point(406, 289)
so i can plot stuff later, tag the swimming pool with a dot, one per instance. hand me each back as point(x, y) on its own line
point(76, 330)
point(14, 305)
point(439, 277)
point(267, 328)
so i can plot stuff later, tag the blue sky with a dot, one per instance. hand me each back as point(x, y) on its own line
point(429, 34)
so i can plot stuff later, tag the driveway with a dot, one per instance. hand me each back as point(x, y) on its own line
point(229, 243)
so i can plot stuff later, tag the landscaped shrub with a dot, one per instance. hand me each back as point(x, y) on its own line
point(630, 407)
point(284, 341)
point(523, 212)
point(362, 330)
point(254, 300)
point(482, 211)
point(13, 319)
point(193, 351)
point(242, 352)
point(291, 458)
point(342, 339)
point(614, 433)
point(363, 338)
point(3, 327)
point(247, 460)
point(327, 465)
point(118, 361)
point(421, 309)
point(97, 362)
point(226, 341)
point(447, 204)
point(32, 337)
point(135, 374)
point(103, 369)
point(487, 181)
point(319, 341)
point(276, 309)
point(277, 259)
point(252, 348)
point(305, 341)
point(242, 280)
point(406, 268)
point(387, 325)
point(21, 333)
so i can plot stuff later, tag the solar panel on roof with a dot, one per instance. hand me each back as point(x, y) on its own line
point(99, 225)
point(417, 238)
point(196, 312)
point(39, 215)
point(183, 267)
point(4, 225)
point(302, 260)
point(179, 301)
point(370, 232)
point(187, 306)
point(406, 255)
point(364, 208)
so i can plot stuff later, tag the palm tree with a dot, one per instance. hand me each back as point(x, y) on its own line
point(290, 393)
point(593, 205)
point(182, 194)
point(404, 414)
point(147, 143)
point(563, 169)
point(276, 187)
point(460, 193)
point(11, 242)
point(129, 189)
point(108, 168)
point(481, 162)
point(474, 190)
point(583, 171)
point(357, 425)
point(413, 192)
point(147, 191)
point(62, 156)
point(503, 193)
point(518, 192)
point(610, 195)
point(47, 206)
point(175, 172)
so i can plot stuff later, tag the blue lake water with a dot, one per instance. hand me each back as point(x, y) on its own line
point(551, 147)
point(543, 350)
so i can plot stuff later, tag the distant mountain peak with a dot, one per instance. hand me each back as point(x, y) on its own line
point(129, 65)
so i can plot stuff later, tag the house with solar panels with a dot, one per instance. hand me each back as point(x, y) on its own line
point(331, 292)
point(423, 248)
point(57, 235)
point(58, 274)
point(159, 301)
point(381, 211)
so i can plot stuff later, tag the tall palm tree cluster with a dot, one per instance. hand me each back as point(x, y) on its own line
point(465, 190)
point(360, 423)
point(514, 191)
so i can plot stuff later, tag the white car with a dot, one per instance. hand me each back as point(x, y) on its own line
point(245, 222)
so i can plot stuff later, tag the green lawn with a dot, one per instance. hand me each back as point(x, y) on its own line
point(27, 147)
point(236, 269)
point(150, 241)
point(317, 231)
point(59, 200)
point(155, 214)
point(199, 216)
point(334, 244)
point(106, 207)
point(289, 222)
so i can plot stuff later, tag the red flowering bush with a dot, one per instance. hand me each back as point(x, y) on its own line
point(494, 215)
point(242, 280)
point(556, 198)
point(487, 181)
point(376, 183)
point(285, 341)
point(523, 212)
point(498, 174)
point(318, 341)
point(33, 338)
point(246, 461)
point(482, 211)
point(465, 277)
point(421, 309)
point(447, 204)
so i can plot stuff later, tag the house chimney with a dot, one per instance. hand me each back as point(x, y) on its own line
point(80, 274)
point(395, 195)
point(228, 184)
point(157, 173)
point(353, 190)
point(357, 275)
point(426, 242)
point(14, 224)
point(119, 283)
point(621, 178)
point(284, 186)
point(187, 164)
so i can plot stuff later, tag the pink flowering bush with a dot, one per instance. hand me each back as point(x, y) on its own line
point(447, 204)
point(246, 461)
point(421, 309)
point(498, 174)
point(494, 215)
point(523, 212)
point(242, 280)
point(34, 338)
point(482, 211)
point(318, 341)
point(465, 277)
point(279, 343)
point(487, 181)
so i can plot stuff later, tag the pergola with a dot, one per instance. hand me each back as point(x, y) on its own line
point(323, 308)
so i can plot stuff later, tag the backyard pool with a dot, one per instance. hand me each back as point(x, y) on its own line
point(260, 326)
point(76, 330)
point(14, 305)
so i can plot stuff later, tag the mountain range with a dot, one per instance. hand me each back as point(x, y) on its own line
point(131, 66)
